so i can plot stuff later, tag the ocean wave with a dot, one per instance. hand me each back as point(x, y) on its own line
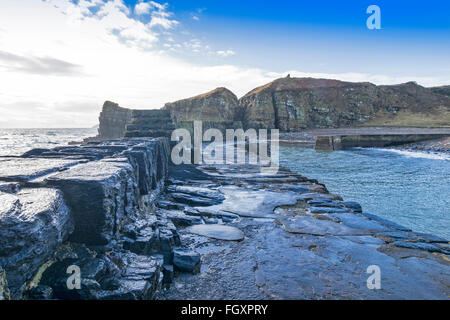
point(417, 154)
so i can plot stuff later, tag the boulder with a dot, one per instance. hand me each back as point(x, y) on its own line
point(144, 242)
point(100, 194)
point(186, 260)
point(353, 206)
point(33, 223)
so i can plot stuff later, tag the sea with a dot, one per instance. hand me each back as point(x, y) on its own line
point(408, 187)
point(14, 142)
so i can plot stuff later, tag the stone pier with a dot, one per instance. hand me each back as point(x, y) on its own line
point(339, 139)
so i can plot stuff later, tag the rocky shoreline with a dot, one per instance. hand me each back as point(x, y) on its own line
point(440, 146)
point(139, 227)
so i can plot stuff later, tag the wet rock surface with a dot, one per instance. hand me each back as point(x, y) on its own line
point(186, 260)
point(217, 231)
point(89, 207)
point(33, 223)
point(109, 185)
point(137, 228)
point(291, 250)
point(4, 290)
point(17, 169)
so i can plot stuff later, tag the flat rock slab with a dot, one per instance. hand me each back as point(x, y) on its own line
point(198, 192)
point(385, 222)
point(357, 221)
point(290, 266)
point(181, 219)
point(324, 203)
point(320, 256)
point(319, 196)
point(217, 231)
point(254, 203)
point(210, 212)
point(323, 210)
point(421, 246)
point(28, 169)
point(312, 226)
point(191, 200)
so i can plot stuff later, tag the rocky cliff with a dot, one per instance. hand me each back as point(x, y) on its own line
point(288, 104)
point(218, 105)
point(444, 90)
point(292, 104)
point(113, 120)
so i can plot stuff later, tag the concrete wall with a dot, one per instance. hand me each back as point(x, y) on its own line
point(367, 141)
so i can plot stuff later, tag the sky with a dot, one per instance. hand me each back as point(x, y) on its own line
point(61, 59)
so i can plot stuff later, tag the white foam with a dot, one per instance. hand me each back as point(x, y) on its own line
point(417, 154)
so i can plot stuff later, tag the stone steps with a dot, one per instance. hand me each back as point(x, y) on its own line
point(150, 123)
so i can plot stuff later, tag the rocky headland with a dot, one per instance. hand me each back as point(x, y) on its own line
point(305, 110)
point(295, 105)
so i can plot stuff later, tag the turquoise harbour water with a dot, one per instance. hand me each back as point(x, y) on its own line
point(409, 188)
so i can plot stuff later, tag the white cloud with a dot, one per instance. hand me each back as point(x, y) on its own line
point(142, 8)
point(225, 53)
point(159, 14)
point(107, 47)
point(38, 65)
point(163, 22)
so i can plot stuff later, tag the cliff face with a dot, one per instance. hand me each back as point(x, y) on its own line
point(288, 104)
point(291, 104)
point(217, 105)
point(444, 90)
point(113, 120)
